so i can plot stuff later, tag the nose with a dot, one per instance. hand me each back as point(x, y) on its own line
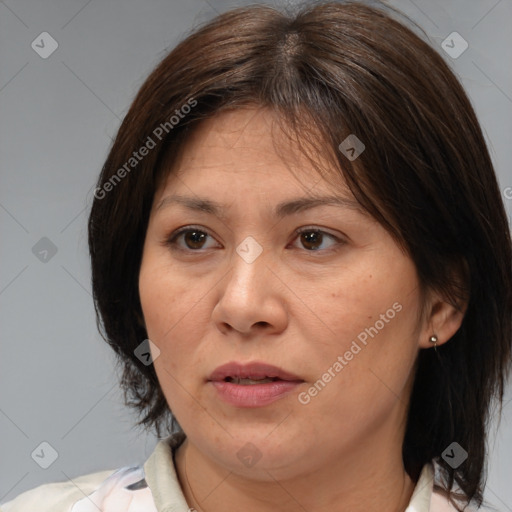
point(251, 300)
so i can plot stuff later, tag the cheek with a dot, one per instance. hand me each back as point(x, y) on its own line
point(165, 297)
point(372, 324)
point(376, 296)
point(170, 308)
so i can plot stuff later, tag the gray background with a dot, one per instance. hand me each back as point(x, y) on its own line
point(57, 116)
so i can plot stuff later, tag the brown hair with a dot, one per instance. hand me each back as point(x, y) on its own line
point(425, 175)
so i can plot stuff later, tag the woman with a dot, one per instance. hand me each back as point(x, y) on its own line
point(299, 248)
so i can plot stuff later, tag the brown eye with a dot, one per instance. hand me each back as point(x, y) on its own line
point(194, 239)
point(313, 239)
point(188, 238)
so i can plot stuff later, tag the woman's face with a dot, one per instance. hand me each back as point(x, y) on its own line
point(335, 308)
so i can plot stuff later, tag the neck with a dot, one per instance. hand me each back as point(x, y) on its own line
point(371, 478)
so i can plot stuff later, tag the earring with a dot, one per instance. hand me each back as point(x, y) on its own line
point(434, 339)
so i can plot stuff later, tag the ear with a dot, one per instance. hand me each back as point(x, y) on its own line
point(442, 319)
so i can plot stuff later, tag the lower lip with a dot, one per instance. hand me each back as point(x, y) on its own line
point(254, 395)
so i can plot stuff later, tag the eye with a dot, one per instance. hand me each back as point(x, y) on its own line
point(193, 238)
point(313, 238)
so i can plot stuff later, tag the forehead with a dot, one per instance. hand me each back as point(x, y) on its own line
point(249, 145)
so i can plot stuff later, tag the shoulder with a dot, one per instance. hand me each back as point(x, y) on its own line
point(430, 494)
point(52, 495)
point(440, 503)
point(86, 493)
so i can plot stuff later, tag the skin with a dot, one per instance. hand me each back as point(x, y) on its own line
point(295, 307)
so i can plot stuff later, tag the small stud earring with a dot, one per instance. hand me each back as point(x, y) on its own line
point(434, 339)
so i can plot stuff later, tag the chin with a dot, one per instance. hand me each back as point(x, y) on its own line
point(255, 451)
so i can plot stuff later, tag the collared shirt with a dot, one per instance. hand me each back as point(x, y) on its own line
point(154, 487)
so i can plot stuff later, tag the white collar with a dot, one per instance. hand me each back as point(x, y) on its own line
point(422, 494)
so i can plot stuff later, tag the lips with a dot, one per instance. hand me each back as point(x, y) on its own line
point(233, 372)
point(252, 385)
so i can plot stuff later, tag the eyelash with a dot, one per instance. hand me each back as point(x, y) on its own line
point(171, 241)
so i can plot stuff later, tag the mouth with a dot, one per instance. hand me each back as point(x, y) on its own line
point(250, 381)
point(252, 385)
point(251, 374)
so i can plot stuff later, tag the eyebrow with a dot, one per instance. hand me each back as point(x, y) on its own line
point(283, 209)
